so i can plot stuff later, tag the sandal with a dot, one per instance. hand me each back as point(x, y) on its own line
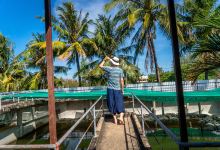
point(120, 122)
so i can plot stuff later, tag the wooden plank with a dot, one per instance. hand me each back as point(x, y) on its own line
point(95, 140)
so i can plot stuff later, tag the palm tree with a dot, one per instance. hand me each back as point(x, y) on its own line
point(72, 28)
point(12, 71)
point(206, 56)
point(6, 53)
point(145, 15)
point(34, 58)
point(109, 37)
point(13, 77)
point(203, 21)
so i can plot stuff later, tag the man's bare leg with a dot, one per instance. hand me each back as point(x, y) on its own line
point(115, 118)
point(121, 116)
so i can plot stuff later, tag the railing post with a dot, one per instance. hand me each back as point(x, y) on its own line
point(94, 118)
point(178, 75)
point(142, 120)
point(50, 73)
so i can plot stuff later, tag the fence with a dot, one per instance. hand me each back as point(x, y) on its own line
point(200, 85)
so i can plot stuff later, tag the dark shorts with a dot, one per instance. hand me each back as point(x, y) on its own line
point(115, 101)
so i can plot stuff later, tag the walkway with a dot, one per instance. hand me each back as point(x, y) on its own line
point(119, 137)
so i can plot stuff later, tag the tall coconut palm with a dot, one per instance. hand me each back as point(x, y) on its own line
point(72, 28)
point(6, 53)
point(109, 37)
point(145, 15)
point(34, 58)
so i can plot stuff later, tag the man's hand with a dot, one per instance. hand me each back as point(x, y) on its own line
point(103, 61)
point(106, 58)
point(122, 91)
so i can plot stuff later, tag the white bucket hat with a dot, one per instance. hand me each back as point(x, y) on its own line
point(115, 61)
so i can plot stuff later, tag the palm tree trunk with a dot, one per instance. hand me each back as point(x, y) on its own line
point(78, 69)
point(155, 60)
point(206, 75)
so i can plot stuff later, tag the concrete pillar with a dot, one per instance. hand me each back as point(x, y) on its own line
point(19, 122)
point(162, 107)
point(187, 108)
point(32, 114)
point(154, 111)
point(154, 107)
point(200, 110)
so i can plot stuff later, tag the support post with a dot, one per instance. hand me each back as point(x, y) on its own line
point(154, 107)
point(162, 107)
point(178, 75)
point(19, 122)
point(200, 110)
point(50, 73)
point(94, 118)
point(142, 120)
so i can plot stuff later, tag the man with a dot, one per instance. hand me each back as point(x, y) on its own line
point(115, 87)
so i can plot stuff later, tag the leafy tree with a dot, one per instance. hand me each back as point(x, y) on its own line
point(6, 53)
point(164, 75)
point(203, 21)
point(145, 15)
point(108, 37)
point(72, 29)
point(34, 58)
point(12, 72)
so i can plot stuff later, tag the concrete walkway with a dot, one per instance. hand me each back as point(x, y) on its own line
point(119, 137)
point(113, 137)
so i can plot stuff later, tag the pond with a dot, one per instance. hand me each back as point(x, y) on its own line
point(41, 135)
point(198, 131)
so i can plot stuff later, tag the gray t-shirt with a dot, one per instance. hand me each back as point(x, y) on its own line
point(114, 74)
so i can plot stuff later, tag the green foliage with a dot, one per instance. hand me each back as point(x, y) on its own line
point(198, 29)
point(165, 76)
point(73, 29)
point(108, 37)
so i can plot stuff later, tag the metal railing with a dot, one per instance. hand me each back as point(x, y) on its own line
point(166, 129)
point(57, 145)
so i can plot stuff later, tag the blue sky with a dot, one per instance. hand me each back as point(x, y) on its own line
point(18, 22)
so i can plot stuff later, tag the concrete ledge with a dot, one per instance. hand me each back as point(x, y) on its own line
point(14, 133)
point(143, 141)
point(95, 140)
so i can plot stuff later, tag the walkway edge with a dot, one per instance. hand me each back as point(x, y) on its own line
point(94, 141)
point(143, 141)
